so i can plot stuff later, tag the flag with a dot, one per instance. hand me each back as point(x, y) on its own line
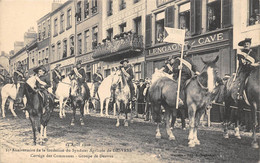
point(175, 35)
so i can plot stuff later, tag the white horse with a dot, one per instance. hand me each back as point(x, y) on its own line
point(105, 93)
point(62, 93)
point(10, 90)
point(92, 98)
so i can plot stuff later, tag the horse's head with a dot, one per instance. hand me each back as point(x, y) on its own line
point(20, 91)
point(116, 77)
point(74, 87)
point(209, 74)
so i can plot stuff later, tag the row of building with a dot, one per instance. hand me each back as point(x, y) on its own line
point(101, 33)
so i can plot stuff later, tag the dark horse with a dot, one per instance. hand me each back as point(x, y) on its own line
point(198, 94)
point(79, 95)
point(252, 93)
point(40, 108)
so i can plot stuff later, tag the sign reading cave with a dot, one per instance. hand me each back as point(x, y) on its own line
point(203, 40)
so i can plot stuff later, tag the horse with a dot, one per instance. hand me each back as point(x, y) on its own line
point(40, 108)
point(62, 93)
point(122, 95)
point(9, 91)
point(198, 94)
point(251, 101)
point(79, 94)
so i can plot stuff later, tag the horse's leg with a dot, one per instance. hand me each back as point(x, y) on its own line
point(183, 123)
point(208, 116)
point(86, 107)
point(118, 113)
point(26, 112)
point(101, 107)
point(32, 119)
point(3, 106)
point(158, 133)
point(191, 111)
point(45, 134)
point(168, 114)
point(255, 123)
point(197, 123)
point(41, 135)
point(11, 107)
point(73, 115)
point(237, 121)
point(82, 113)
point(107, 102)
point(131, 112)
point(126, 105)
point(61, 106)
point(227, 113)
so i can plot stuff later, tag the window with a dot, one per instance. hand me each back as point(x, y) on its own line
point(58, 50)
point(62, 23)
point(78, 14)
point(79, 43)
point(55, 27)
point(39, 58)
point(94, 6)
point(122, 27)
point(69, 18)
point(39, 33)
point(159, 27)
point(53, 53)
point(86, 8)
point(86, 41)
point(184, 18)
point(95, 37)
point(88, 72)
point(44, 30)
point(122, 5)
point(110, 34)
point(110, 8)
point(214, 14)
point(254, 12)
point(72, 45)
point(43, 57)
point(137, 26)
point(49, 28)
point(137, 71)
point(65, 46)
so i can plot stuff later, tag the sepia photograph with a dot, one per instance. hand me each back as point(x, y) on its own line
point(125, 81)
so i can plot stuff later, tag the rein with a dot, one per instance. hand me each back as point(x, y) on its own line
point(203, 87)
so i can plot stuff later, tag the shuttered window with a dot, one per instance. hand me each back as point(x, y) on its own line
point(148, 30)
point(195, 17)
point(226, 13)
point(169, 16)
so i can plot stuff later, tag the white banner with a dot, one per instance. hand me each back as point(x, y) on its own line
point(175, 35)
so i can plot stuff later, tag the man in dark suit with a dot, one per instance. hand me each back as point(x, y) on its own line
point(56, 77)
point(97, 79)
point(18, 73)
point(140, 96)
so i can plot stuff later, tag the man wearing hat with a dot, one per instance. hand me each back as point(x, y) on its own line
point(187, 69)
point(246, 57)
point(56, 77)
point(129, 74)
point(140, 96)
point(18, 73)
point(80, 74)
point(168, 68)
point(97, 79)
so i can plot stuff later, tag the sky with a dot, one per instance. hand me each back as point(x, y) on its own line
point(16, 17)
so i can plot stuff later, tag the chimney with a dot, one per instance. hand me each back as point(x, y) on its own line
point(55, 4)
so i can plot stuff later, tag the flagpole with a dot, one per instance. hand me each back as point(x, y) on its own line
point(179, 80)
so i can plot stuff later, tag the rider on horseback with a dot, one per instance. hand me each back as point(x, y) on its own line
point(56, 77)
point(246, 57)
point(168, 68)
point(80, 74)
point(187, 70)
point(128, 72)
point(97, 79)
point(18, 73)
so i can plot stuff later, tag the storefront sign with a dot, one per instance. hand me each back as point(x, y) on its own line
point(162, 2)
point(86, 58)
point(199, 41)
point(66, 62)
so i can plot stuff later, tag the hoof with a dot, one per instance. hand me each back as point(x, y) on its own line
point(117, 124)
point(126, 124)
point(191, 144)
point(82, 123)
point(196, 142)
point(61, 117)
point(226, 136)
point(158, 136)
point(45, 139)
point(172, 138)
point(184, 129)
point(102, 115)
point(131, 121)
point(238, 136)
point(255, 145)
point(72, 124)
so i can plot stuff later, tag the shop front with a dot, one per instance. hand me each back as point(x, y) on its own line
point(66, 65)
point(206, 46)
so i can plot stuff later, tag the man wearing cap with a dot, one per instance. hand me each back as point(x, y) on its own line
point(129, 74)
point(56, 77)
point(97, 79)
point(80, 74)
point(246, 57)
point(18, 73)
point(168, 68)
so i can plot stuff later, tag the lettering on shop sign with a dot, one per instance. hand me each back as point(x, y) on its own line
point(86, 58)
point(207, 39)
